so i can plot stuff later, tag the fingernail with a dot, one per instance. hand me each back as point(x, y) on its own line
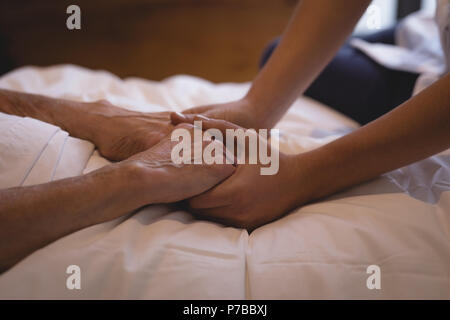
point(200, 116)
point(180, 115)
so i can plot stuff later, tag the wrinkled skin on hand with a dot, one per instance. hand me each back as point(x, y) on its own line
point(121, 133)
point(179, 182)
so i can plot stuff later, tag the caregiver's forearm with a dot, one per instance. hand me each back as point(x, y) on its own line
point(31, 217)
point(316, 31)
point(77, 118)
point(413, 131)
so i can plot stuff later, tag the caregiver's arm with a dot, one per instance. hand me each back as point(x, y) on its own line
point(117, 133)
point(316, 31)
point(33, 216)
point(413, 131)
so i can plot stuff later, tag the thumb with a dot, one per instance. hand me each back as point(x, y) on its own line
point(207, 123)
point(177, 118)
point(195, 110)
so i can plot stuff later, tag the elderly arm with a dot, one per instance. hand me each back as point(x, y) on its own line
point(117, 133)
point(33, 216)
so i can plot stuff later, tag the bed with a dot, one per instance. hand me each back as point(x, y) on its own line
point(399, 222)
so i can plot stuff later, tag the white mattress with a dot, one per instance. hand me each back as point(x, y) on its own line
point(400, 221)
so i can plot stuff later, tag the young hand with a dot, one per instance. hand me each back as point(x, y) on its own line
point(248, 199)
point(241, 112)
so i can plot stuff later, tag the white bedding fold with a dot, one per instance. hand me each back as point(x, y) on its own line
point(32, 152)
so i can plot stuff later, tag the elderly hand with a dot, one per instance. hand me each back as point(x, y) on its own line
point(119, 133)
point(176, 182)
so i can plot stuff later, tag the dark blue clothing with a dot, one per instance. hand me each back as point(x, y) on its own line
point(357, 86)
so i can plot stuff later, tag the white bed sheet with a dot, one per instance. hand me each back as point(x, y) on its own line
point(400, 222)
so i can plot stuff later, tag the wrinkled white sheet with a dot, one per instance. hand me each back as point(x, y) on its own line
point(32, 152)
point(400, 222)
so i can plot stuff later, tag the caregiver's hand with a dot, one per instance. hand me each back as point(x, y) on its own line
point(243, 112)
point(248, 199)
point(117, 133)
point(415, 130)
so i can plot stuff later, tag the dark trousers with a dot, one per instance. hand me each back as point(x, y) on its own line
point(357, 86)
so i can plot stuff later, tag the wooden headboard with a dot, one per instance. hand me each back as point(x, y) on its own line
point(220, 40)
